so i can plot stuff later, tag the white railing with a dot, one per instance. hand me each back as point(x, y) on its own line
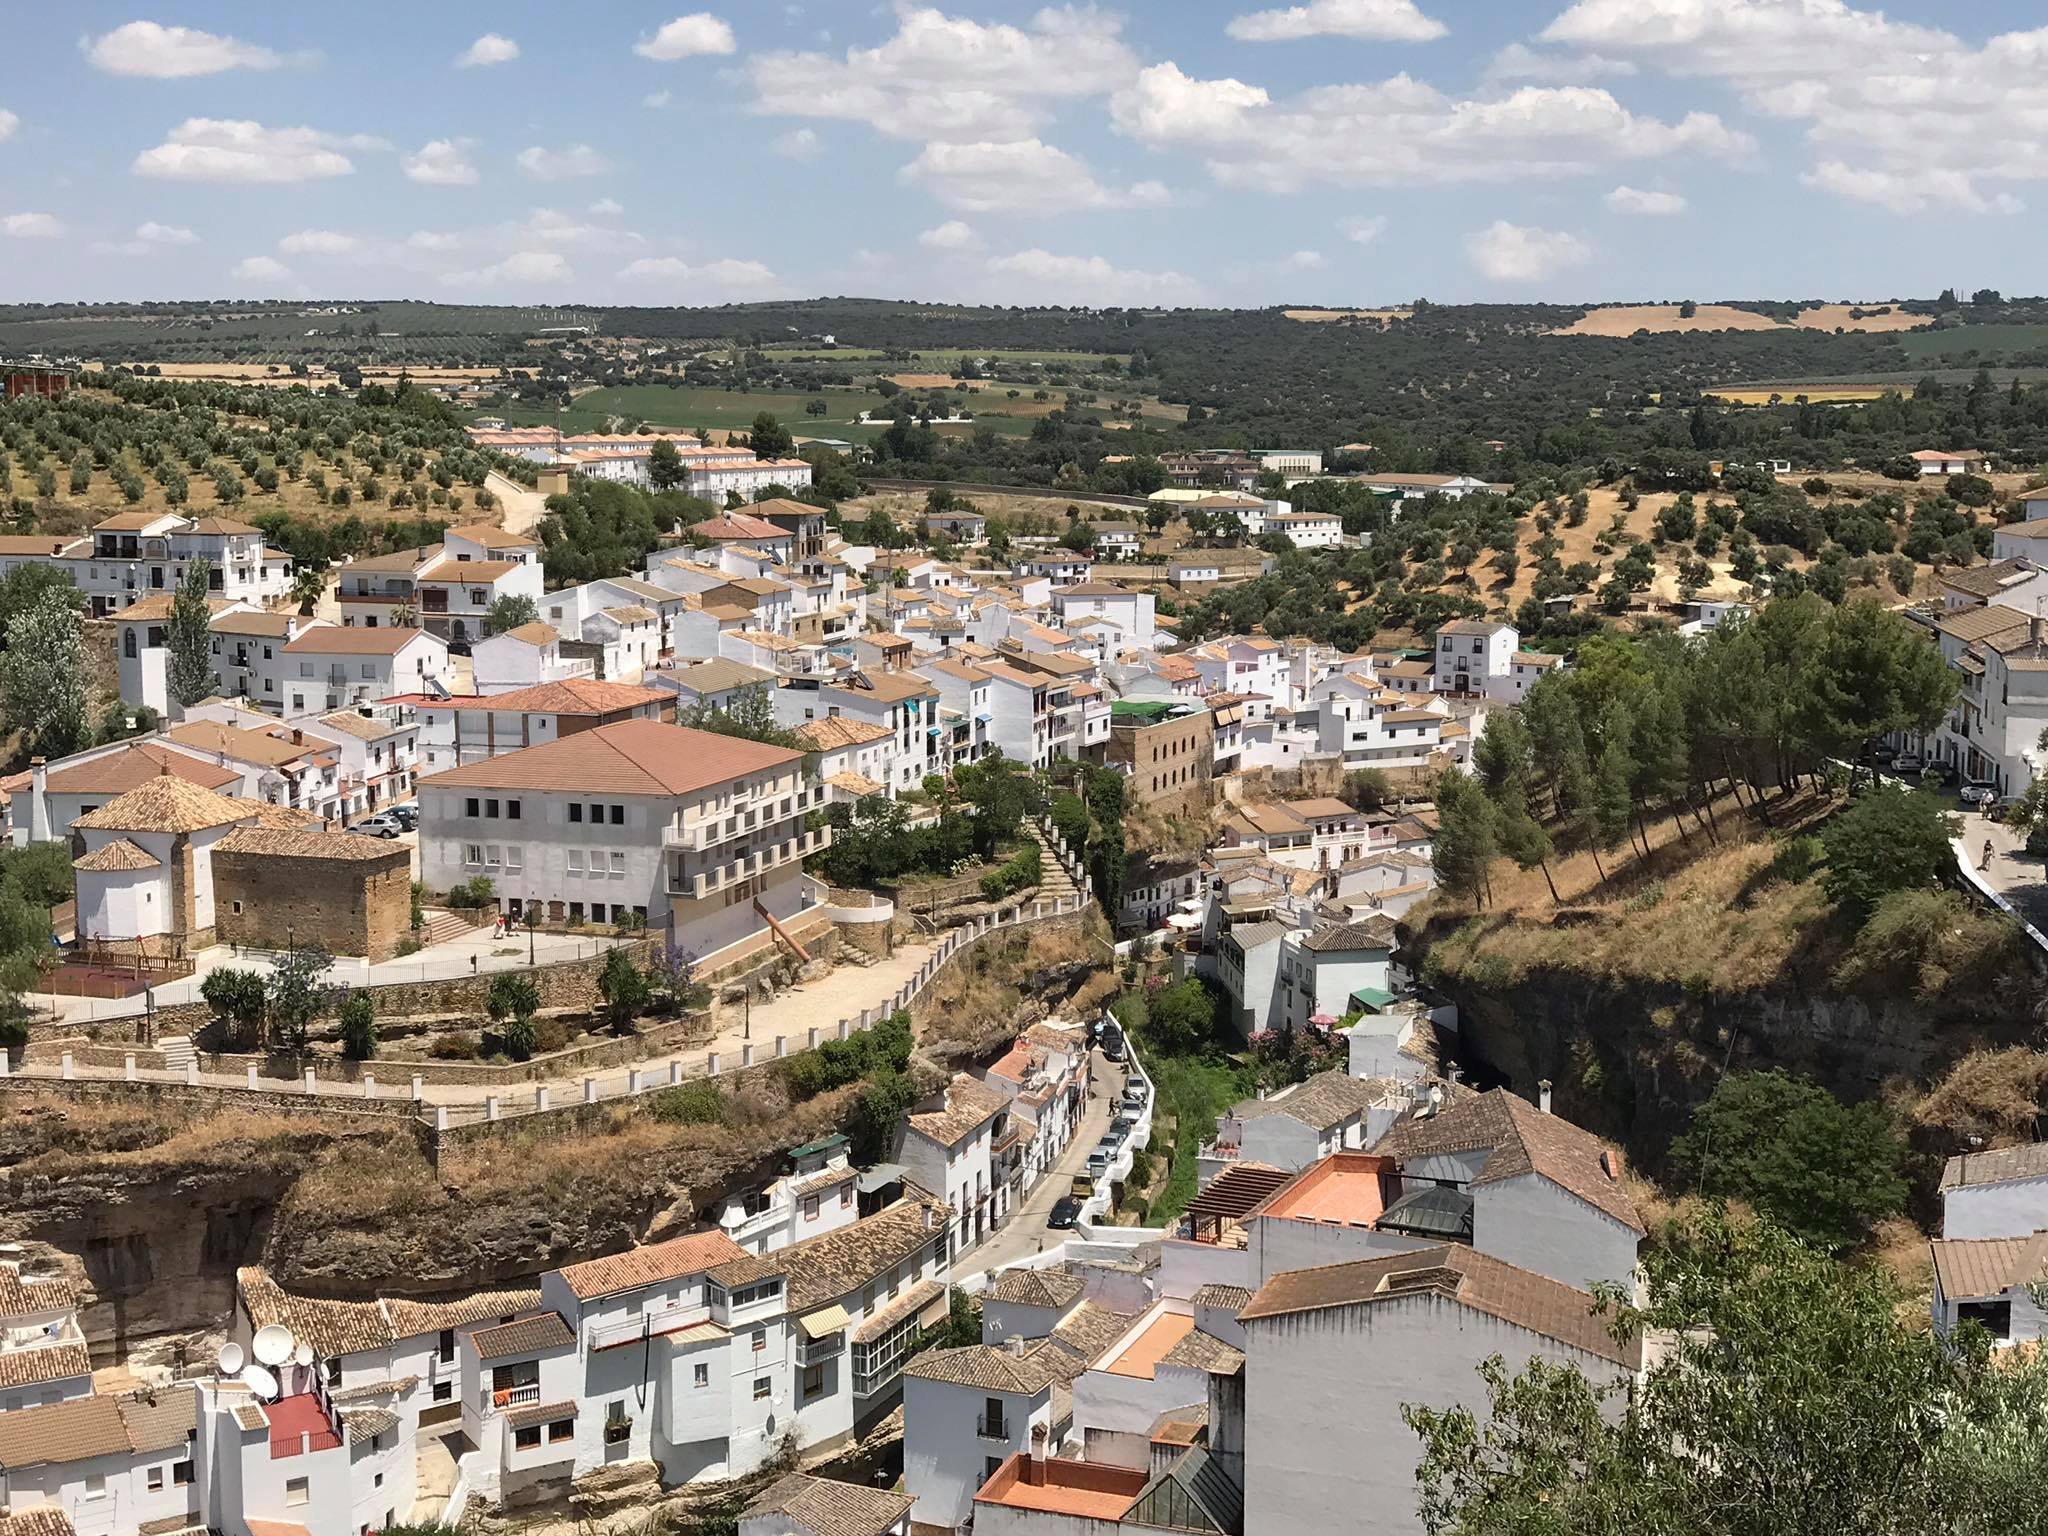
point(647, 1325)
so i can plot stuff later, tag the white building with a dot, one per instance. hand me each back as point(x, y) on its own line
point(902, 703)
point(1302, 1123)
point(523, 656)
point(113, 1466)
point(43, 1354)
point(1130, 612)
point(815, 1196)
point(455, 731)
point(1949, 461)
point(949, 1142)
point(134, 555)
point(1295, 463)
point(2002, 1193)
point(1309, 530)
point(326, 667)
point(700, 834)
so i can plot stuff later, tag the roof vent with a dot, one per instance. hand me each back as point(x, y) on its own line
point(1440, 1278)
point(1610, 1165)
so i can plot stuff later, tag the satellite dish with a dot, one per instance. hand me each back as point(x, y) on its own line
point(260, 1382)
point(303, 1355)
point(230, 1359)
point(272, 1345)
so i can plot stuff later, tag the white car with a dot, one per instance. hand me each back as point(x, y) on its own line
point(383, 824)
point(1978, 792)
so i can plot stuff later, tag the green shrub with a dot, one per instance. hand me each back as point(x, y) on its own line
point(236, 998)
point(1141, 1168)
point(512, 995)
point(518, 1036)
point(549, 1035)
point(624, 989)
point(479, 892)
point(1018, 872)
point(454, 1046)
point(1797, 859)
point(409, 945)
point(358, 1020)
point(694, 1103)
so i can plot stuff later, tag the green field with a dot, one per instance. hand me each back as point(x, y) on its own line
point(685, 408)
point(1988, 340)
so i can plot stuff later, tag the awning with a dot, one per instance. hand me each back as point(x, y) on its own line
point(824, 1322)
point(880, 1176)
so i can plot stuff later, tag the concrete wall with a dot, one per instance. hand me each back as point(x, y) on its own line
point(1535, 1224)
point(2017, 1208)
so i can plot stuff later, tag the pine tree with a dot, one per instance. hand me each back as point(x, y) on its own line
point(189, 670)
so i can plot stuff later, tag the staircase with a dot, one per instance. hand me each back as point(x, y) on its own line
point(440, 927)
point(1054, 882)
point(177, 1052)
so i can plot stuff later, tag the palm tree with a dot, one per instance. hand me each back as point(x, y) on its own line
point(307, 589)
point(405, 614)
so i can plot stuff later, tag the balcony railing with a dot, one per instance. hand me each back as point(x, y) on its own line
point(816, 1351)
point(987, 1428)
point(497, 1399)
point(647, 1325)
point(706, 882)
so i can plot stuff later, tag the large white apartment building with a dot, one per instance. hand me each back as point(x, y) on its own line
point(325, 667)
point(133, 555)
point(712, 471)
point(700, 834)
point(446, 588)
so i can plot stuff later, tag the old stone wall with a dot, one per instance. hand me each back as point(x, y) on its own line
point(353, 906)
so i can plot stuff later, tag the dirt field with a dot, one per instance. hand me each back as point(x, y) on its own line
point(1766, 396)
point(1318, 316)
point(273, 374)
point(1627, 319)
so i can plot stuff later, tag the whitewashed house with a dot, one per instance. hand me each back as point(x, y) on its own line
point(325, 667)
point(947, 1143)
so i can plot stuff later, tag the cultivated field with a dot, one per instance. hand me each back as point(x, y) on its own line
point(686, 408)
point(1320, 316)
point(1818, 394)
point(1627, 319)
point(1985, 340)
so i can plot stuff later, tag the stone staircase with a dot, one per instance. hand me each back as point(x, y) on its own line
point(178, 1052)
point(440, 927)
point(1054, 881)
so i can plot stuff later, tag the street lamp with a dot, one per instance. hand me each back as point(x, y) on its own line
point(529, 934)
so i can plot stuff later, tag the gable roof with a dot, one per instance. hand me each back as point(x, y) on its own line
point(1522, 1139)
point(1320, 1102)
point(1990, 1266)
point(77, 1430)
point(827, 1507)
point(651, 1265)
point(969, 1105)
point(627, 757)
point(165, 803)
point(132, 766)
point(835, 731)
point(1997, 1166)
point(528, 1336)
point(832, 1264)
point(1035, 1287)
point(1453, 1273)
point(335, 640)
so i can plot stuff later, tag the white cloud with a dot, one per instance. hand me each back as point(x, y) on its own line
point(1647, 203)
point(172, 53)
point(608, 207)
point(1521, 253)
point(1041, 276)
point(153, 233)
point(953, 235)
point(1378, 21)
point(798, 144)
point(487, 50)
point(1897, 114)
point(544, 164)
point(656, 99)
point(711, 278)
point(216, 149)
point(259, 269)
point(524, 269)
point(441, 163)
point(318, 242)
point(551, 227)
point(1518, 61)
point(1363, 229)
point(1401, 132)
point(687, 36)
point(432, 240)
point(1302, 261)
point(8, 123)
point(30, 226)
point(946, 77)
point(1024, 176)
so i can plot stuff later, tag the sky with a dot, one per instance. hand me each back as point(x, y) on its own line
point(1157, 152)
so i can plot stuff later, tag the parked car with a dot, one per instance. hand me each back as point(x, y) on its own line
point(1098, 1163)
point(408, 814)
point(1081, 1187)
point(383, 824)
point(1122, 1126)
point(1065, 1212)
point(1979, 792)
point(1134, 1096)
point(1113, 1045)
point(1906, 762)
point(1938, 773)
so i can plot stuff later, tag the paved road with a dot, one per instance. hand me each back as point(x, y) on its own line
point(2020, 877)
point(1025, 1233)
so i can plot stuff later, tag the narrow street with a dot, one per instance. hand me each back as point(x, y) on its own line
point(1025, 1233)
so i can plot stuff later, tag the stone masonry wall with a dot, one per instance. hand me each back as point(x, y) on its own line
point(353, 906)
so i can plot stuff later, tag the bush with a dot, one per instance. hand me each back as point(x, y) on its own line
point(512, 995)
point(1136, 1208)
point(695, 1103)
point(454, 1046)
point(518, 1037)
point(1824, 1170)
point(835, 1063)
point(1892, 839)
point(409, 946)
point(470, 894)
point(236, 998)
point(549, 1035)
point(624, 989)
point(1141, 1168)
point(358, 1019)
point(1796, 859)
point(1017, 873)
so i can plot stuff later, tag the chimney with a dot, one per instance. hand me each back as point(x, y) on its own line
point(1014, 1345)
point(39, 800)
point(927, 1218)
point(2034, 631)
point(1034, 1463)
point(1543, 1095)
point(298, 737)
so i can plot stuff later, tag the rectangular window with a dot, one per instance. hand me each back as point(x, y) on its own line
point(618, 865)
point(845, 1196)
point(618, 815)
point(473, 854)
point(443, 1391)
point(702, 1373)
point(810, 1207)
point(181, 1474)
point(760, 1340)
point(446, 1346)
point(369, 669)
point(575, 810)
point(491, 809)
point(814, 1382)
point(470, 807)
point(561, 1429)
point(515, 857)
point(596, 815)
point(527, 1439)
point(760, 1388)
point(512, 810)
point(575, 861)
point(156, 1478)
point(295, 1490)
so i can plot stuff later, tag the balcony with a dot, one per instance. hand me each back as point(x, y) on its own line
point(987, 1428)
point(497, 1399)
point(652, 1325)
point(699, 837)
point(817, 1351)
point(707, 882)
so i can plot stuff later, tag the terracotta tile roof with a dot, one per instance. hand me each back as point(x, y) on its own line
point(1522, 1140)
point(1321, 809)
point(363, 727)
point(336, 640)
point(43, 1362)
point(132, 766)
point(165, 1424)
point(41, 1520)
point(985, 1368)
point(1093, 589)
point(827, 1267)
point(165, 803)
point(1997, 1166)
point(132, 522)
point(249, 1416)
point(1035, 1287)
point(738, 525)
point(212, 737)
point(969, 1105)
point(337, 847)
point(528, 1336)
point(464, 572)
point(1321, 1102)
point(275, 626)
point(836, 731)
point(855, 784)
point(654, 1264)
point(119, 855)
point(491, 537)
point(628, 757)
point(43, 544)
point(19, 1297)
point(1200, 1351)
point(1215, 1295)
point(1375, 932)
point(535, 633)
point(716, 674)
point(331, 1327)
point(629, 613)
point(1984, 1267)
point(412, 1317)
point(76, 1430)
point(572, 696)
point(1087, 1331)
point(367, 1422)
point(540, 1413)
point(1454, 1274)
point(825, 1507)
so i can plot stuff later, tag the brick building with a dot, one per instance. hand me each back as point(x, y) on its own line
point(353, 894)
point(1166, 748)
